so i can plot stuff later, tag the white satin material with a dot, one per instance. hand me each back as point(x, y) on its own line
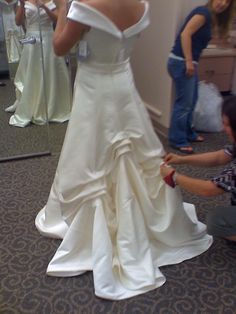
point(33, 103)
point(108, 203)
point(12, 32)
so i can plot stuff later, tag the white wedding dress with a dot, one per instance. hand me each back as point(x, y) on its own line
point(13, 33)
point(108, 203)
point(35, 101)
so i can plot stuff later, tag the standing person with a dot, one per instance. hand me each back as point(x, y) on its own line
point(193, 37)
point(12, 32)
point(30, 104)
point(108, 203)
point(221, 222)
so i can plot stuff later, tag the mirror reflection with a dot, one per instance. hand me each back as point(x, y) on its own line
point(42, 85)
point(12, 34)
point(31, 90)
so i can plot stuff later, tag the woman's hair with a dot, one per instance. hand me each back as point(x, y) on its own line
point(222, 21)
point(229, 110)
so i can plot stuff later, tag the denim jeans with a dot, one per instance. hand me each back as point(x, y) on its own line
point(186, 94)
point(221, 221)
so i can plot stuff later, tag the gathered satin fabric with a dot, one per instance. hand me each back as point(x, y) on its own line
point(108, 203)
point(12, 32)
point(36, 100)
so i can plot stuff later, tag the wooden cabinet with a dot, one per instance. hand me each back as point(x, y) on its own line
point(218, 67)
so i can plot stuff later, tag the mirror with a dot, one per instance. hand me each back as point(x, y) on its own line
point(11, 34)
point(17, 142)
point(40, 90)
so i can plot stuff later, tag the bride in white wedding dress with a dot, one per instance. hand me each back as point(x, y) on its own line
point(108, 203)
point(37, 102)
point(12, 32)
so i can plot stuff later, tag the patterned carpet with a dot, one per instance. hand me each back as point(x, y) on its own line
point(204, 285)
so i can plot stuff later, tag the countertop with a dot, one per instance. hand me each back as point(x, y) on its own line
point(216, 51)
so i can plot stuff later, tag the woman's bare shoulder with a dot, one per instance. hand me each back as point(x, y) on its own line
point(111, 6)
point(123, 13)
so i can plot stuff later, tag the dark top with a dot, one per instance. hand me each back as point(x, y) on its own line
point(200, 38)
point(227, 178)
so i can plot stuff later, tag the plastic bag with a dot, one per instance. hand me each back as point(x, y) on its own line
point(207, 113)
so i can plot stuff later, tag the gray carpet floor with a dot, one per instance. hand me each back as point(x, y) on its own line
point(205, 284)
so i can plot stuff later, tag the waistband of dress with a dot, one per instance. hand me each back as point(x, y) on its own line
point(173, 56)
point(104, 67)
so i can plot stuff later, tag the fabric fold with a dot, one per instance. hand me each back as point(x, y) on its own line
point(124, 234)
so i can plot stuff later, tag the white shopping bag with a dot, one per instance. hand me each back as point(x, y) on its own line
point(207, 113)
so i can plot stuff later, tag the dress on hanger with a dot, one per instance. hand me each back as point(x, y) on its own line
point(108, 202)
point(36, 99)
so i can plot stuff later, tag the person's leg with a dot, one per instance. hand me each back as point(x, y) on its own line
point(184, 93)
point(232, 238)
point(192, 135)
point(221, 222)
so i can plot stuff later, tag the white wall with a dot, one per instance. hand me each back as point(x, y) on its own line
point(150, 57)
point(151, 53)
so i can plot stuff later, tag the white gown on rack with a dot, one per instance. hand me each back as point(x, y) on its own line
point(108, 202)
point(30, 102)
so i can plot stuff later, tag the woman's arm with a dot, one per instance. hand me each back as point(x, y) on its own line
point(67, 32)
point(192, 185)
point(210, 159)
point(20, 14)
point(193, 25)
point(198, 186)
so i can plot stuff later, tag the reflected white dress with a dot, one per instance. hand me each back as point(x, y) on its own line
point(30, 94)
point(12, 32)
point(108, 203)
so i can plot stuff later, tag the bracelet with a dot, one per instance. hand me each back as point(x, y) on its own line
point(174, 177)
point(170, 179)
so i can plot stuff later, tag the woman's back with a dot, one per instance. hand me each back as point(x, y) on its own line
point(105, 41)
point(123, 13)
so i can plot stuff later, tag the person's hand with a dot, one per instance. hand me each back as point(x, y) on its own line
point(165, 170)
point(190, 68)
point(172, 159)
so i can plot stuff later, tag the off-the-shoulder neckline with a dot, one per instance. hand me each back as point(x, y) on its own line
point(111, 22)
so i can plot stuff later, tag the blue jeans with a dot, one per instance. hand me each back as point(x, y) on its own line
point(221, 221)
point(186, 94)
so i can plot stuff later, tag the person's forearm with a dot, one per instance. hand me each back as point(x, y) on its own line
point(198, 186)
point(20, 15)
point(186, 43)
point(61, 21)
point(210, 159)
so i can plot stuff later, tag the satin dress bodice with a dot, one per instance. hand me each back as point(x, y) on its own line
point(37, 18)
point(106, 43)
